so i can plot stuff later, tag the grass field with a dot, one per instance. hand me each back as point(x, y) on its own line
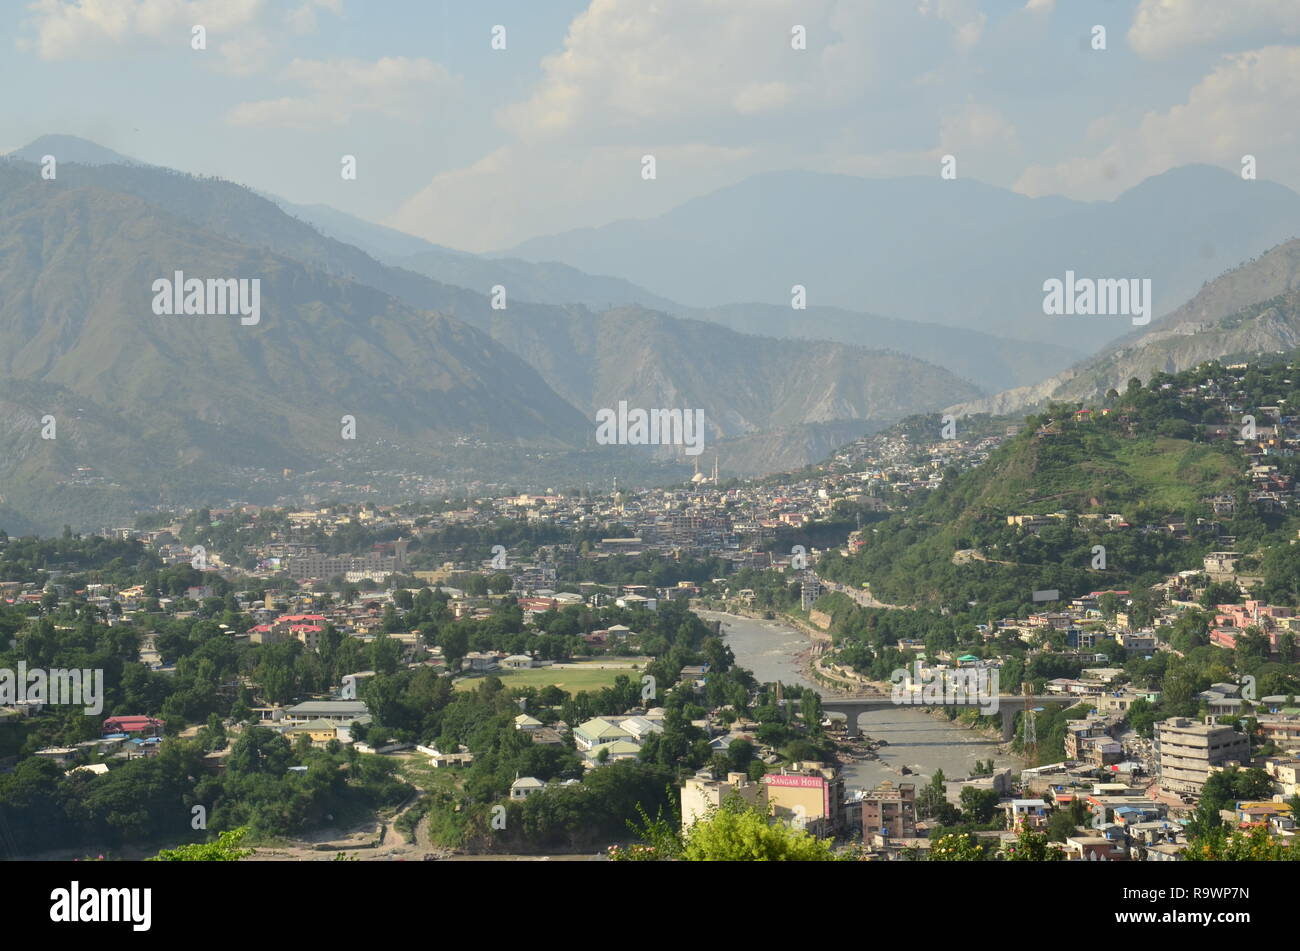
point(589, 677)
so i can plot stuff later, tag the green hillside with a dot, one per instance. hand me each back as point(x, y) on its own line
point(1146, 459)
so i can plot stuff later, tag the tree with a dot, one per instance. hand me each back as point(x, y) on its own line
point(1033, 846)
point(1063, 823)
point(455, 645)
point(215, 736)
point(1255, 845)
point(978, 805)
point(957, 847)
point(740, 754)
point(733, 832)
point(932, 797)
point(225, 849)
point(747, 835)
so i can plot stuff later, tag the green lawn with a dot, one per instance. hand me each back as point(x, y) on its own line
point(590, 678)
point(1175, 473)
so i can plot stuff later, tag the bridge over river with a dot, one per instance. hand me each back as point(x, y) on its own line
point(1008, 705)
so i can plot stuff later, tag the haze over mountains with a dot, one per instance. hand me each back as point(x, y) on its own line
point(959, 253)
point(1251, 310)
point(418, 363)
point(989, 361)
point(365, 321)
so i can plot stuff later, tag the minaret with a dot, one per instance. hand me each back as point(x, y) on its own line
point(715, 468)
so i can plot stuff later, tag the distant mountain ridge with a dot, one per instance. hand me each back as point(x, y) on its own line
point(571, 347)
point(1250, 310)
point(70, 148)
point(437, 380)
point(958, 253)
point(991, 362)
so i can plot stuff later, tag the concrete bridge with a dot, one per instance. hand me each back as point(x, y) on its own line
point(1008, 706)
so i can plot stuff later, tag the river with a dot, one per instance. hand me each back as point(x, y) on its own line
point(915, 739)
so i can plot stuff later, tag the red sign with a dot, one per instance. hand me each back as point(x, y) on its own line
point(811, 782)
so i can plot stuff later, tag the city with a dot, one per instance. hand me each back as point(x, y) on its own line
point(517, 437)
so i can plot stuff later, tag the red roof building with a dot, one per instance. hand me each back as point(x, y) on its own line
point(134, 724)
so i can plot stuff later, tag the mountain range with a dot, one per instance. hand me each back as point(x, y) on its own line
point(422, 367)
point(450, 386)
point(959, 253)
point(1250, 310)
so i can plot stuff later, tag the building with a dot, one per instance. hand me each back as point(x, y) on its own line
point(597, 732)
point(890, 810)
point(319, 731)
point(339, 711)
point(1032, 813)
point(701, 795)
point(525, 722)
point(610, 753)
point(1283, 730)
point(808, 795)
point(1186, 752)
point(1140, 641)
point(319, 565)
point(526, 786)
point(145, 726)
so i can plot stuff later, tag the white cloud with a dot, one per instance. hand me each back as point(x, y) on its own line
point(87, 29)
point(517, 191)
point(1161, 27)
point(677, 63)
point(302, 18)
point(397, 87)
point(962, 15)
point(1234, 111)
point(247, 54)
point(712, 88)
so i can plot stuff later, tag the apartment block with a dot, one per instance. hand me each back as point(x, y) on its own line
point(1186, 751)
point(890, 810)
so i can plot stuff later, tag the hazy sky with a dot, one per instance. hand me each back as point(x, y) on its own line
point(479, 149)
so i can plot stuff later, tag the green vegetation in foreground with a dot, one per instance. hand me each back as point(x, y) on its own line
point(734, 832)
point(224, 849)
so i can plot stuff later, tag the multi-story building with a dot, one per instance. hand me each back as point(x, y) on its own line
point(320, 565)
point(1282, 730)
point(809, 795)
point(890, 810)
point(1079, 731)
point(701, 795)
point(1186, 752)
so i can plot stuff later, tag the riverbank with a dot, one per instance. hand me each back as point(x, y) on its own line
point(741, 610)
point(922, 741)
point(833, 678)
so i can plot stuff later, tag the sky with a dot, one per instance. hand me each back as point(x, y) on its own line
point(480, 148)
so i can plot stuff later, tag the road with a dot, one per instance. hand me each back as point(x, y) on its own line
point(862, 596)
